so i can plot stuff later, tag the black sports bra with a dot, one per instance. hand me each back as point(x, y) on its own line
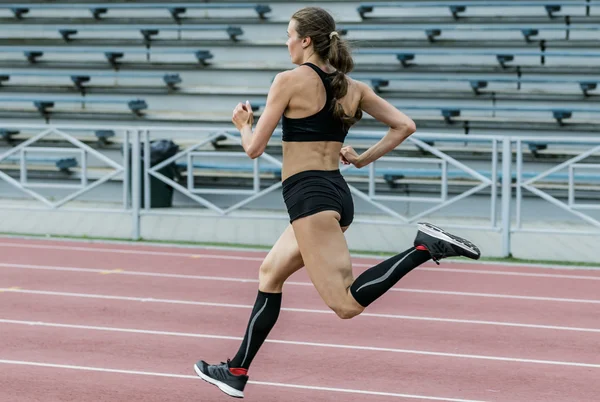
point(321, 126)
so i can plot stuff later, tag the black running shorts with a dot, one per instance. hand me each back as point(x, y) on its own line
point(312, 191)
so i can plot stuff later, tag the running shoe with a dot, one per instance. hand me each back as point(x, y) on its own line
point(442, 244)
point(219, 375)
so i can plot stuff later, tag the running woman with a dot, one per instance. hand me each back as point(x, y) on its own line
point(318, 103)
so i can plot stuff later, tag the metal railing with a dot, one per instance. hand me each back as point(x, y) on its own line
point(571, 164)
point(491, 180)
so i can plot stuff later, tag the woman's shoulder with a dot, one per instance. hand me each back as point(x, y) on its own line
point(302, 71)
point(284, 79)
point(294, 77)
point(289, 76)
point(357, 84)
point(358, 87)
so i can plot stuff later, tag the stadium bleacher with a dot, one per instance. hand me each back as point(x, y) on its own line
point(69, 31)
point(100, 9)
point(478, 83)
point(130, 57)
point(80, 79)
point(458, 11)
point(492, 67)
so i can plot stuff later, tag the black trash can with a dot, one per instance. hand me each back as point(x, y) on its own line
point(161, 194)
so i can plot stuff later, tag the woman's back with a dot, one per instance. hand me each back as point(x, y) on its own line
point(313, 136)
point(318, 103)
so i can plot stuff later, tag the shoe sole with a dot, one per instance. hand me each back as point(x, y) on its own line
point(222, 386)
point(441, 234)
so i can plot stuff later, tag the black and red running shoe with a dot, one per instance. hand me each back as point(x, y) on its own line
point(442, 244)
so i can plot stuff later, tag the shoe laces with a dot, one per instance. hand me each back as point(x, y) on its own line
point(441, 249)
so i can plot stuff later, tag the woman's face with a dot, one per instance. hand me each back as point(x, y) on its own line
point(294, 43)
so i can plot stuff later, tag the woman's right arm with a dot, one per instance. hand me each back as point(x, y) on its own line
point(401, 126)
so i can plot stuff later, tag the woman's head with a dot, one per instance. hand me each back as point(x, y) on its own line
point(311, 31)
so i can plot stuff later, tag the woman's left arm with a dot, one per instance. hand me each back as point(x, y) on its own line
point(254, 143)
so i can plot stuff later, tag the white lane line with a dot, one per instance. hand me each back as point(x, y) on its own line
point(194, 377)
point(510, 273)
point(501, 270)
point(134, 273)
point(300, 310)
point(245, 280)
point(311, 344)
point(500, 296)
point(135, 252)
point(468, 271)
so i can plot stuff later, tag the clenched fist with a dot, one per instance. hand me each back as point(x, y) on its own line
point(242, 115)
point(348, 156)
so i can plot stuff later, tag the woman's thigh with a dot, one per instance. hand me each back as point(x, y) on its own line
point(282, 261)
point(326, 257)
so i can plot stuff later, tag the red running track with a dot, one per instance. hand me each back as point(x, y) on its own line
point(110, 322)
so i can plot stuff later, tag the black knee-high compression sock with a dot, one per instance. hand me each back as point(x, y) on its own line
point(379, 279)
point(262, 320)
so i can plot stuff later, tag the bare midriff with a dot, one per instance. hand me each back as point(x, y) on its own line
point(301, 156)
